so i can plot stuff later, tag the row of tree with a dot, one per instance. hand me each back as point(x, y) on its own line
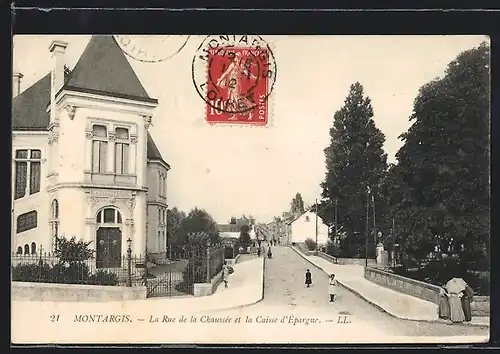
point(436, 197)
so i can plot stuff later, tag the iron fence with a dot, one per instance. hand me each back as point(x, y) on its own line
point(162, 274)
point(215, 260)
point(49, 268)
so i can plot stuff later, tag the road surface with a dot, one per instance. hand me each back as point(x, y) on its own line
point(286, 292)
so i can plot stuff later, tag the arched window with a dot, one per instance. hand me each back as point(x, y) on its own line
point(26, 249)
point(33, 248)
point(54, 221)
point(99, 148)
point(19, 250)
point(109, 216)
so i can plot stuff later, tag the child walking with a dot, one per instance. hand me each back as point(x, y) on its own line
point(332, 287)
point(225, 274)
point(308, 278)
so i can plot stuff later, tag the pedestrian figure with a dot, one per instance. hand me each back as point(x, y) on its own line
point(258, 252)
point(308, 278)
point(269, 253)
point(225, 274)
point(466, 298)
point(455, 288)
point(332, 287)
point(444, 304)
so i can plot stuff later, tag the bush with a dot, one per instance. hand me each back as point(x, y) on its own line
point(31, 272)
point(102, 277)
point(311, 245)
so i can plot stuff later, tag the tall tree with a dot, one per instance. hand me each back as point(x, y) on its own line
point(245, 240)
point(174, 233)
point(297, 204)
point(355, 159)
point(197, 221)
point(443, 195)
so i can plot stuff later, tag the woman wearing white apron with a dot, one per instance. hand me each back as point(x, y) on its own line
point(332, 287)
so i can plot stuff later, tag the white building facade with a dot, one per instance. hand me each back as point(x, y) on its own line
point(304, 227)
point(83, 161)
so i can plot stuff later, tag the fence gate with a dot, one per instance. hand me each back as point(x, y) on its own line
point(170, 279)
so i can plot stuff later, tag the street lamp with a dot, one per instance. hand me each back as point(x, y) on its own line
point(129, 262)
point(368, 191)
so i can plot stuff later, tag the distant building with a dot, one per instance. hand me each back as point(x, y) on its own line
point(228, 231)
point(303, 226)
point(83, 161)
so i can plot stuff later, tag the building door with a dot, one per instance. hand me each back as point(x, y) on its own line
point(109, 246)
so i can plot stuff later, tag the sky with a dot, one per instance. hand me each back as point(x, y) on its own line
point(236, 170)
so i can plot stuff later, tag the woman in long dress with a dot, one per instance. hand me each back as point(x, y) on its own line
point(444, 305)
point(466, 299)
point(456, 311)
point(332, 285)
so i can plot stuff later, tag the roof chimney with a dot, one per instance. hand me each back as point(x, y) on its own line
point(16, 84)
point(57, 48)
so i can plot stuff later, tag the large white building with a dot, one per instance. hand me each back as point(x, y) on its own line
point(83, 161)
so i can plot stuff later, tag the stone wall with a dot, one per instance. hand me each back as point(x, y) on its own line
point(233, 261)
point(27, 291)
point(425, 291)
point(204, 289)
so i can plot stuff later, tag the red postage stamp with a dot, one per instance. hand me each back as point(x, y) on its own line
point(238, 81)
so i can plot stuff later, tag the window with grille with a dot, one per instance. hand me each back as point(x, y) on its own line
point(33, 248)
point(99, 148)
point(27, 221)
point(26, 249)
point(27, 172)
point(121, 151)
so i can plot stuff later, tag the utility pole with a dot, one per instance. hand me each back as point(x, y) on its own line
point(316, 207)
point(374, 221)
point(335, 237)
point(367, 224)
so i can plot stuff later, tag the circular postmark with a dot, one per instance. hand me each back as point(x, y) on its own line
point(234, 74)
point(151, 48)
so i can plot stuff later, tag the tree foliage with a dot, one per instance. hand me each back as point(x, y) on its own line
point(245, 240)
point(439, 190)
point(297, 204)
point(194, 228)
point(175, 237)
point(355, 159)
point(199, 221)
point(73, 251)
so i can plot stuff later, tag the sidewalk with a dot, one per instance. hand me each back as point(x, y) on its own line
point(245, 288)
point(390, 301)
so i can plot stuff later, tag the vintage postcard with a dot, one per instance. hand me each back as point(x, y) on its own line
point(246, 189)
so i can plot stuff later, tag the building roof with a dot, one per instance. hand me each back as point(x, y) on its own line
point(29, 109)
point(297, 216)
point(104, 69)
point(228, 228)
